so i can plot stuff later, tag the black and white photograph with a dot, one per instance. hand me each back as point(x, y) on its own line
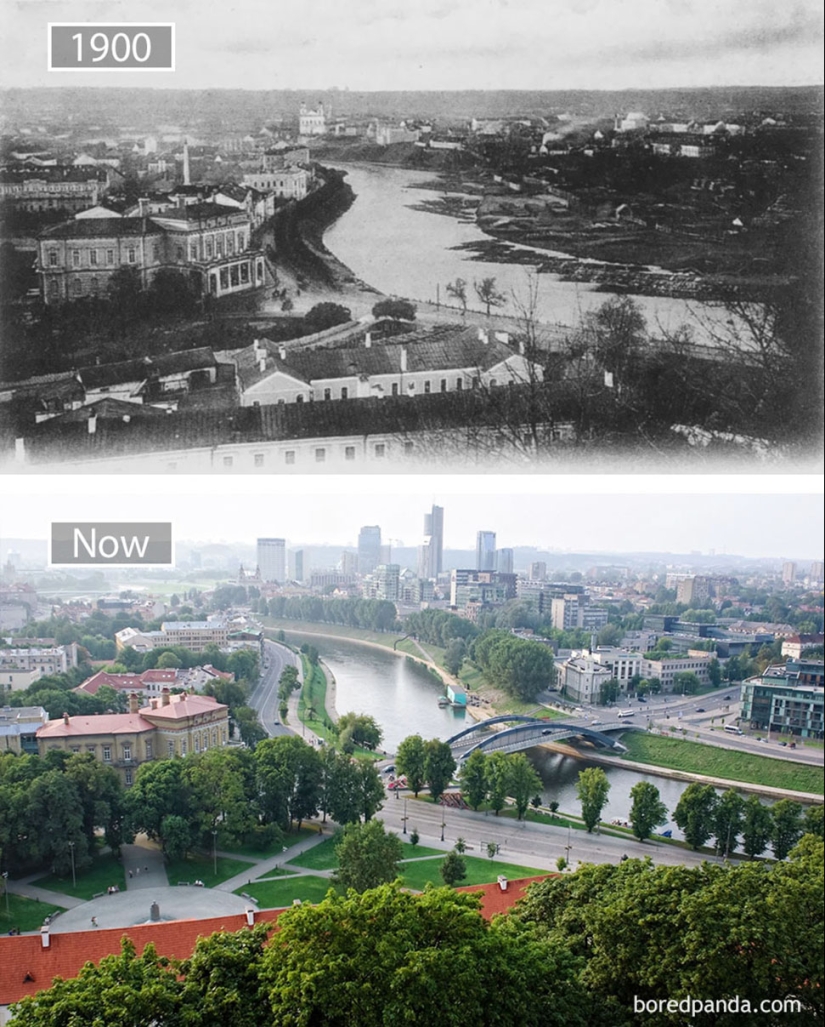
point(504, 237)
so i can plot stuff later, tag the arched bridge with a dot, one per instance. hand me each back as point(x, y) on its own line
point(527, 732)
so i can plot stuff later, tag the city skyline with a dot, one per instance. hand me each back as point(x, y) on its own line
point(595, 44)
point(770, 526)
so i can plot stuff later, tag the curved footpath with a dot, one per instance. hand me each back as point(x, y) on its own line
point(484, 714)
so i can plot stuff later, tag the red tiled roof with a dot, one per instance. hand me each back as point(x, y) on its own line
point(24, 955)
point(495, 901)
point(184, 706)
point(100, 724)
point(118, 681)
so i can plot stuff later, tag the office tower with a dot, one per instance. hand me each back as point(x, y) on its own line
point(298, 566)
point(486, 551)
point(272, 559)
point(369, 548)
point(815, 575)
point(349, 564)
point(504, 561)
point(538, 571)
point(788, 572)
point(434, 543)
point(386, 580)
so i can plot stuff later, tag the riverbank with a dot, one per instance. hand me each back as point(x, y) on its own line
point(683, 775)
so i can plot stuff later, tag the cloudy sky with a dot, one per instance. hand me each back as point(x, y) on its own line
point(442, 44)
point(649, 514)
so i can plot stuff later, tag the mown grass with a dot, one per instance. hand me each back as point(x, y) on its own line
point(479, 871)
point(279, 893)
point(24, 914)
point(104, 872)
point(696, 758)
point(200, 867)
point(319, 857)
point(256, 851)
point(277, 872)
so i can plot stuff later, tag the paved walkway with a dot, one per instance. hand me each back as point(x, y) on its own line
point(278, 861)
point(143, 865)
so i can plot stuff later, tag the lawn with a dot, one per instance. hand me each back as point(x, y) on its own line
point(256, 852)
point(479, 871)
point(417, 851)
point(278, 894)
point(198, 867)
point(696, 758)
point(320, 857)
point(104, 872)
point(277, 872)
point(24, 914)
point(314, 695)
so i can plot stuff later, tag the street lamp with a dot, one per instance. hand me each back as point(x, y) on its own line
point(404, 818)
point(74, 876)
point(6, 890)
point(568, 846)
point(215, 851)
point(443, 825)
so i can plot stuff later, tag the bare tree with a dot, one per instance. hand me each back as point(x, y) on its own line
point(458, 290)
point(488, 294)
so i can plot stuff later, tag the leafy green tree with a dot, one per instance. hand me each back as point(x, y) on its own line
point(387, 958)
point(167, 660)
point(474, 778)
point(365, 732)
point(370, 788)
point(453, 869)
point(439, 766)
point(222, 794)
point(524, 782)
point(608, 691)
point(159, 791)
point(223, 979)
point(497, 771)
point(813, 820)
point(454, 655)
point(715, 672)
point(647, 811)
point(410, 761)
point(695, 813)
point(592, 790)
point(728, 822)
point(415, 837)
point(685, 682)
point(757, 822)
point(368, 856)
point(101, 796)
point(288, 779)
point(788, 826)
point(177, 836)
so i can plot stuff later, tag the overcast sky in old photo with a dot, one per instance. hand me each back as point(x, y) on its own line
point(548, 514)
point(442, 44)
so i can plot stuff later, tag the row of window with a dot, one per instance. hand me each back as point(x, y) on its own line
point(97, 258)
point(319, 455)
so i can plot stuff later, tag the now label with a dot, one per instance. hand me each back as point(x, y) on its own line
point(125, 544)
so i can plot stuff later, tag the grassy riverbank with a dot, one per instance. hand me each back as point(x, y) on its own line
point(695, 758)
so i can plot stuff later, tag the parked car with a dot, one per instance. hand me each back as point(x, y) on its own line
point(700, 709)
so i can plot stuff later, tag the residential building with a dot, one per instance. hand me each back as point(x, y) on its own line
point(272, 559)
point(18, 728)
point(172, 725)
point(485, 551)
point(286, 183)
point(53, 660)
point(504, 561)
point(693, 591)
point(666, 668)
point(195, 635)
point(788, 572)
point(780, 701)
point(369, 549)
point(538, 571)
point(387, 135)
point(52, 189)
point(383, 583)
point(484, 588)
point(443, 359)
point(573, 610)
point(797, 644)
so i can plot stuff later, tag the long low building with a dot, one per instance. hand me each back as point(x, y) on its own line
point(193, 635)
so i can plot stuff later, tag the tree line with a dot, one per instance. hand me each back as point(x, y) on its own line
point(570, 954)
point(369, 614)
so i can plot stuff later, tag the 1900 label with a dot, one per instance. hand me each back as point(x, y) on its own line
point(111, 47)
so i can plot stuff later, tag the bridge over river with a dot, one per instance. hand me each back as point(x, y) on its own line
point(529, 731)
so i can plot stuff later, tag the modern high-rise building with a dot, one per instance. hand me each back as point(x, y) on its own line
point(272, 559)
point(298, 569)
point(538, 571)
point(788, 572)
point(504, 561)
point(486, 551)
point(431, 562)
point(369, 548)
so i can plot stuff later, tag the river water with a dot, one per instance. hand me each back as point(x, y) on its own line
point(402, 697)
point(410, 253)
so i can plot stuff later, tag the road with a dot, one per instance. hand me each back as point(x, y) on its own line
point(533, 845)
point(264, 698)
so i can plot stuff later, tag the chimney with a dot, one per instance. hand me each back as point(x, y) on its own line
point(403, 360)
point(250, 917)
point(262, 364)
point(66, 719)
point(45, 940)
point(282, 352)
point(521, 346)
point(502, 882)
point(482, 336)
point(91, 424)
point(133, 702)
point(186, 179)
point(143, 207)
point(368, 340)
point(164, 697)
point(154, 911)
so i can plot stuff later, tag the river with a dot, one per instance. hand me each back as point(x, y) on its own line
point(402, 697)
point(406, 252)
